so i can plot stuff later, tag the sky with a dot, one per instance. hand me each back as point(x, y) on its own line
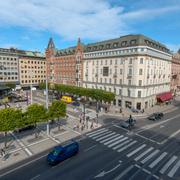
point(28, 24)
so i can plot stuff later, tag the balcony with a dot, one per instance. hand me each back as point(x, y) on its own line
point(129, 76)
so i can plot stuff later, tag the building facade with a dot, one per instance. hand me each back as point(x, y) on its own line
point(175, 75)
point(32, 68)
point(134, 67)
point(22, 67)
point(9, 67)
point(65, 66)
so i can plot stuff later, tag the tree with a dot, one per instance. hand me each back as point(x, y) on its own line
point(57, 110)
point(8, 120)
point(36, 113)
point(11, 85)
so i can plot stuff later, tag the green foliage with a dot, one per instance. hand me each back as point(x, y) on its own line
point(11, 85)
point(96, 94)
point(57, 109)
point(36, 113)
point(9, 118)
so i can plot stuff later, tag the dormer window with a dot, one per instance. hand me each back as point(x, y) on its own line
point(124, 43)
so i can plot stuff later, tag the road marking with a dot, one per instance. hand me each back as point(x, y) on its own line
point(174, 169)
point(90, 148)
point(117, 142)
point(171, 136)
point(35, 177)
point(146, 138)
point(125, 147)
point(120, 145)
point(156, 124)
point(166, 166)
point(119, 137)
point(101, 174)
point(20, 166)
point(61, 133)
point(124, 172)
point(22, 145)
point(150, 156)
point(95, 131)
point(99, 135)
point(143, 154)
point(109, 138)
point(92, 135)
point(154, 163)
point(136, 150)
point(105, 136)
point(121, 128)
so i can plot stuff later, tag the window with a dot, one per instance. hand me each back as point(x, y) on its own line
point(130, 61)
point(130, 71)
point(139, 93)
point(140, 71)
point(121, 71)
point(120, 81)
point(129, 92)
point(140, 82)
point(141, 61)
point(105, 71)
point(129, 82)
point(120, 92)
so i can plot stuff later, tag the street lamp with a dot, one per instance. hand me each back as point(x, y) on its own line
point(47, 98)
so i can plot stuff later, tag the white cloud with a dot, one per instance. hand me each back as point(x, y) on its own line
point(88, 19)
point(9, 45)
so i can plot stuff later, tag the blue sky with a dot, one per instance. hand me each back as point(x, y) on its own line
point(28, 24)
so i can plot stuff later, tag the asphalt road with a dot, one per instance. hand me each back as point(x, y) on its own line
point(150, 151)
point(109, 153)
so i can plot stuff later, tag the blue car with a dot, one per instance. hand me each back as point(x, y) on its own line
point(60, 153)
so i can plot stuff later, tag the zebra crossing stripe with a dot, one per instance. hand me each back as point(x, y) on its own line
point(154, 163)
point(143, 154)
point(122, 144)
point(166, 166)
point(109, 142)
point(136, 150)
point(95, 131)
point(125, 147)
point(99, 135)
point(117, 142)
point(174, 169)
point(106, 136)
point(150, 156)
point(103, 141)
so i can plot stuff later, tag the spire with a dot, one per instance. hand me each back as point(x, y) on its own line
point(50, 44)
point(79, 44)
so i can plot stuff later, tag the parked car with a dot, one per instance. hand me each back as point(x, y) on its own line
point(60, 153)
point(66, 99)
point(156, 116)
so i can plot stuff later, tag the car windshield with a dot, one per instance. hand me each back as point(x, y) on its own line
point(56, 152)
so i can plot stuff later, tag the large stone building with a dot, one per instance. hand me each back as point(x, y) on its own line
point(32, 68)
point(22, 67)
point(136, 68)
point(64, 66)
point(175, 78)
point(9, 68)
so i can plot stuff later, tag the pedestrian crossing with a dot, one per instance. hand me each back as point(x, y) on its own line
point(141, 153)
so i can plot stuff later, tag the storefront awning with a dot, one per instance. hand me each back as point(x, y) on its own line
point(164, 97)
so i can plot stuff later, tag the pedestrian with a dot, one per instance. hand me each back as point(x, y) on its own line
point(120, 110)
point(92, 125)
point(1, 153)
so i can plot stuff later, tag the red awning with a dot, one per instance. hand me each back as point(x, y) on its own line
point(165, 96)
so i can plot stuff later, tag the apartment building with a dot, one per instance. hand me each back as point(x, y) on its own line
point(64, 66)
point(136, 68)
point(22, 67)
point(9, 67)
point(175, 74)
point(32, 68)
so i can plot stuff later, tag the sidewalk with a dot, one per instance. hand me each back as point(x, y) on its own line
point(23, 145)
